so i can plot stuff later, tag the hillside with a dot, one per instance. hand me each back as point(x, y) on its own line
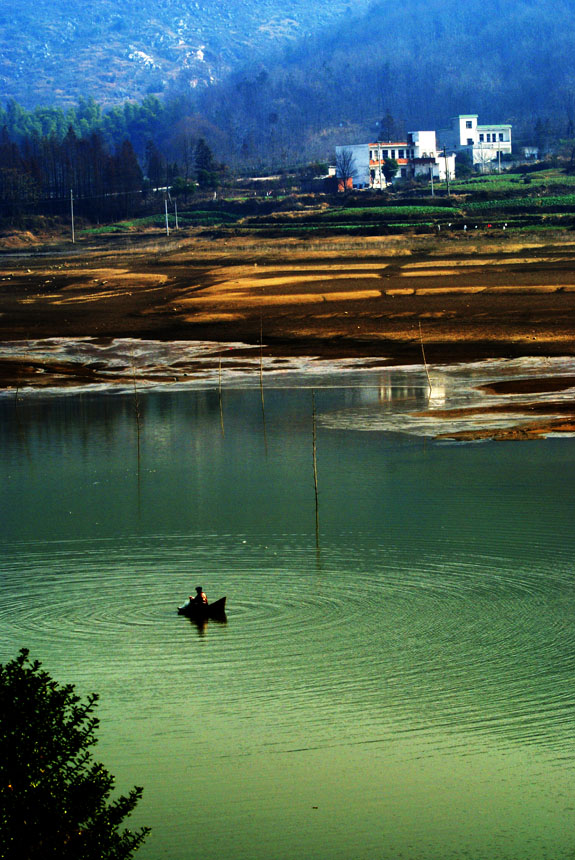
point(54, 51)
point(421, 62)
point(270, 84)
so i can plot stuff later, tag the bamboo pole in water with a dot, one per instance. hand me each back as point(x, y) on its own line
point(262, 359)
point(220, 398)
point(424, 361)
point(138, 416)
point(262, 382)
point(315, 482)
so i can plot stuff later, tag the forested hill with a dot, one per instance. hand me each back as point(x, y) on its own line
point(54, 51)
point(421, 61)
point(269, 83)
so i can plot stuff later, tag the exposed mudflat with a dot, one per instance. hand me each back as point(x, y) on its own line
point(394, 300)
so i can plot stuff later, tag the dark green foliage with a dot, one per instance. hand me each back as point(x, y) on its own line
point(181, 188)
point(54, 798)
point(155, 165)
point(463, 170)
point(207, 171)
point(388, 128)
point(140, 122)
point(203, 156)
point(38, 175)
point(390, 168)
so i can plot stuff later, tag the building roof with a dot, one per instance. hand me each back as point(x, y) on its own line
point(388, 143)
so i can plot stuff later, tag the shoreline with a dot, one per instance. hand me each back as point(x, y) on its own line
point(386, 300)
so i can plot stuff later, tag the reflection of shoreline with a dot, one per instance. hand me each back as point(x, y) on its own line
point(68, 365)
point(496, 399)
point(491, 399)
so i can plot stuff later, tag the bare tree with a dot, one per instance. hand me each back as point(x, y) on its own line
point(345, 168)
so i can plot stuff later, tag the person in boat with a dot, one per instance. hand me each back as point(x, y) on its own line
point(200, 597)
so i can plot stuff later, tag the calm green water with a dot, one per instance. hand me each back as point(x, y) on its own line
point(399, 684)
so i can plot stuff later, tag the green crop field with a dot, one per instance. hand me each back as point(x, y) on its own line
point(387, 212)
point(561, 202)
point(513, 201)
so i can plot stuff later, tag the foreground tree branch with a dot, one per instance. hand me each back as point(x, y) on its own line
point(54, 798)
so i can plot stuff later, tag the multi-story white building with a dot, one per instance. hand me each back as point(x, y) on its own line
point(484, 143)
point(361, 164)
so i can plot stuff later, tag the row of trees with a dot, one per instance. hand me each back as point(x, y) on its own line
point(139, 122)
point(438, 59)
point(39, 174)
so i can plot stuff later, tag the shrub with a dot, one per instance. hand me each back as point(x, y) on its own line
point(54, 799)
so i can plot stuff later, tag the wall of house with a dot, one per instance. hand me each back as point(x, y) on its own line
point(466, 129)
point(415, 157)
point(484, 143)
point(422, 152)
point(424, 143)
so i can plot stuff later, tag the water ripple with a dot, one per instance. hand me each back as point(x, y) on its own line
point(467, 644)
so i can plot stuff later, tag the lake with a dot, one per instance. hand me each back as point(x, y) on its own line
point(396, 677)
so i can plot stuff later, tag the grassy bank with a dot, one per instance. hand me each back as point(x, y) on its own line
point(537, 201)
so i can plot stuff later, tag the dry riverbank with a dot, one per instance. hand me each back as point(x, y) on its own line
point(467, 298)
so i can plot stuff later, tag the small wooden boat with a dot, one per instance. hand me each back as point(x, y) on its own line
point(203, 611)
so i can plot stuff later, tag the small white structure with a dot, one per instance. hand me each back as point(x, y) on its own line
point(361, 164)
point(484, 143)
point(530, 152)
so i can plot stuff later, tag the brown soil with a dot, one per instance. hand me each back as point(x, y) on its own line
point(384, 298)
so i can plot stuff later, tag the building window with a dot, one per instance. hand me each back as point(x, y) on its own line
point(481, 138)
point(393, 153)
point(469, 141)
point(468, 124)
point(401, 153)
point(500, 135)
point(385, 153)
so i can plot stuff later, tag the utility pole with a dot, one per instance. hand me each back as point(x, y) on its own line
point(176, 212)
point(72, 215)
point(446, 170)
point(431, 177)
point(166, 208)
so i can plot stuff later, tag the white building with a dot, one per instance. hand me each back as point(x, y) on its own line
point(416, 156)
point(484, 143)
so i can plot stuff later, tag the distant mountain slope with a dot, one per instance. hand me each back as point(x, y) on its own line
point(421, 61)
point(270, 83)
point(53, 51)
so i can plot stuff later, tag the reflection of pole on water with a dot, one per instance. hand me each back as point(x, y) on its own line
point(314, 445)
point(220, 398)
